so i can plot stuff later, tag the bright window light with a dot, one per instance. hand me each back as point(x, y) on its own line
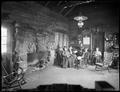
point(86, 40)
point(4, 31)
point(3, 39)
point(4, 48)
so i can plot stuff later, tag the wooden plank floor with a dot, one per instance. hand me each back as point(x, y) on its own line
point(84, 77)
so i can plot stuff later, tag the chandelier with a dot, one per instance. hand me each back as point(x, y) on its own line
point(80, 20)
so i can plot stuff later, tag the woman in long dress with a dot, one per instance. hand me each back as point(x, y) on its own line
point(86, 57)
point(97, 55)
point(71, 58)
point(66, 55)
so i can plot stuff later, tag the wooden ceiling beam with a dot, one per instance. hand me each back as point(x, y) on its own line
point(47, 3)
point(69, 11)
point(62, 10)
point(59, 3)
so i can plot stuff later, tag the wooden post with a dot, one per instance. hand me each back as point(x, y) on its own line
point(91, 42)
point(103, 44)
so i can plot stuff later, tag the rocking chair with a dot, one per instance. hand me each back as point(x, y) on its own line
point(108, 59)
point(9, 80)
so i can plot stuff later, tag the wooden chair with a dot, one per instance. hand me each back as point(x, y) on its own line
point(108, 59)
point(9, 80)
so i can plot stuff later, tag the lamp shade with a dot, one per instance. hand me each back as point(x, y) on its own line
point(80, 18)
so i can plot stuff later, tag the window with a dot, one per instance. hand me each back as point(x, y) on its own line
point(3, 39)
point(86, 40)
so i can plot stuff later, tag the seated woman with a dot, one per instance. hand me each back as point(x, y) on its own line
point(58, 59)
point(86, 57)
point(71, 58)
point(60, 56)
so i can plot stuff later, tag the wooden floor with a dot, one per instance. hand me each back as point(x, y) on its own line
point(84, 77)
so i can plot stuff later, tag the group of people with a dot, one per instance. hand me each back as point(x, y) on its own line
point(74, 58)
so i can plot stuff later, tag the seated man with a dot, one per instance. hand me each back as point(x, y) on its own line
point(66, 55)
point(79, 62)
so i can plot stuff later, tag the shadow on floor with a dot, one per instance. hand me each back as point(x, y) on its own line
point(59, 87)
